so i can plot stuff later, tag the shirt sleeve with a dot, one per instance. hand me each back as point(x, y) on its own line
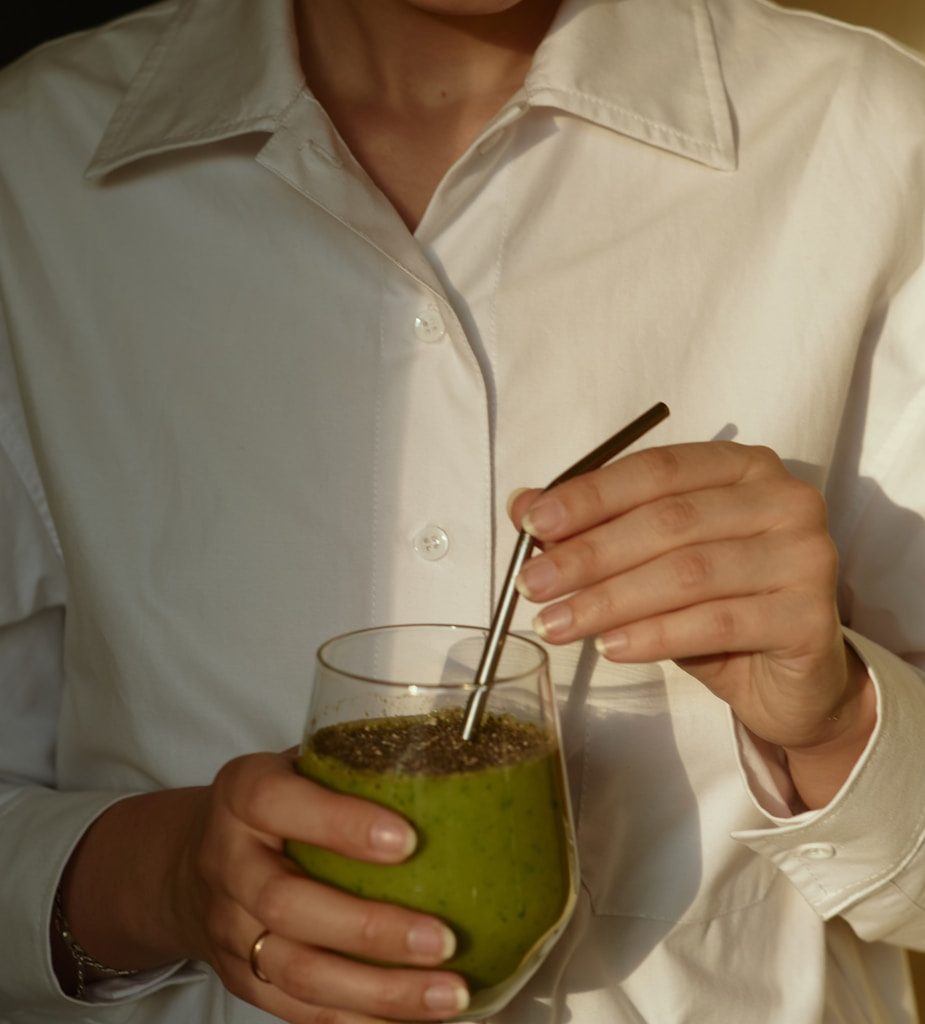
point(863, 855)
point(39, 824)
point(32, 600)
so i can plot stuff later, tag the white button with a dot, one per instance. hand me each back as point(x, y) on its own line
point(429, 325)
point(816, 851)
point(431, 543)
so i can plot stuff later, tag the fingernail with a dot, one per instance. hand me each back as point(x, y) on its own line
point(543, 517)
point(446, 997)
point(389, 838)
point(537, 578)
point(611, 643)
point(432, 940)
point(513, 496)
point(553, 620)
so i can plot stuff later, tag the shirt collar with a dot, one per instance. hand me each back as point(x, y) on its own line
point(648, 69)
point(220, 68)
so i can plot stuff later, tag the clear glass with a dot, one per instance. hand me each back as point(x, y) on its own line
point(496, 852)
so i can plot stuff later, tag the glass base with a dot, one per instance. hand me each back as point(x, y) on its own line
point(488, 1001)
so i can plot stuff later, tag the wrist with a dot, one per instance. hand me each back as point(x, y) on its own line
point(74, 967)
point(121, 890)
point(820, 769)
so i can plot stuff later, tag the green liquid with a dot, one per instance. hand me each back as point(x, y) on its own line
point(491, 859)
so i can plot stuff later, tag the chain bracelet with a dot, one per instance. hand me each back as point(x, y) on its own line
point(82, 959)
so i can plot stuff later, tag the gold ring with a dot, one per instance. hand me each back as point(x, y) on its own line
point(255, 953)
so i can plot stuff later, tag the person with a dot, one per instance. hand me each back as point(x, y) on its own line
point(294, 296)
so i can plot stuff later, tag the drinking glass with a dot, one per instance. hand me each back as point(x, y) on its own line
point(495, 857)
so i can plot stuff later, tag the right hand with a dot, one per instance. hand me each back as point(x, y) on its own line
point(241, 884)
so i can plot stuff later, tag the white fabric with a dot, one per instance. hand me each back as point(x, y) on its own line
point(223, 434)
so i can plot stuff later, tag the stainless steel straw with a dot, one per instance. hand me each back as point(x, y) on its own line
point(504, 611)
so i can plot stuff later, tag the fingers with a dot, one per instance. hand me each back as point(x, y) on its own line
point(637, 480)
point(689, 576)
point(251, 887)
point(247, 864)
point(266, 793)
point(307, 978)
point(662, 526)
point(730, 626)
point(276, 895)
point(716, 523)
point(280, 897)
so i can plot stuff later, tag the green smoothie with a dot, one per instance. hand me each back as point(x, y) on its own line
point(491, 859)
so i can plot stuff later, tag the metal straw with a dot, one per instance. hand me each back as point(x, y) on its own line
point(504, 611)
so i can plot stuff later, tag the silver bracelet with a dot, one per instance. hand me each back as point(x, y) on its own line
point(82, 959)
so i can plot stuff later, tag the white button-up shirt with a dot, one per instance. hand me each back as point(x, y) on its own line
point(242, 409)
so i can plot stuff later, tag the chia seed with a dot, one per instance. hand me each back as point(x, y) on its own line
point(430, 744)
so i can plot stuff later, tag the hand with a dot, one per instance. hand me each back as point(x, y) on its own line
point(200, 873)
point(244, 885)
point(714, 556)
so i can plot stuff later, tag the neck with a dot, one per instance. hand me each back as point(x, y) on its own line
point(409, 60)
point(409, 89)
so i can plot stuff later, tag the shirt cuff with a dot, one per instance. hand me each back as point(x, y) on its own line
point(841, 853)
point(49, 824)
point(106, 991)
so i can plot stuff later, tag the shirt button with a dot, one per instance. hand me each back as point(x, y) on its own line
point(429, 325)
point(431, 543)
point(816, 851)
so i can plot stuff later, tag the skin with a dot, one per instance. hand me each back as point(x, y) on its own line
point(423, 80)
point(711, 555)
point(213, 855)
point(732, 575)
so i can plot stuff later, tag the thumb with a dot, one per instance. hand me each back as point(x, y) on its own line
point(519, 501)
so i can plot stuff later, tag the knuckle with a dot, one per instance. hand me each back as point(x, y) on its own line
point(370, 926)
point(817, 558)
point(662, 465)
point(805, 502)
point(692, 568)
point(273, 901)
point(764, 455)
point(392, 997)
point(256, 792)
point(597, 611)
point(584, 554)
point(230, 770)
point(346, 821)
point(760, 462)
point(675, 515)
point(299, 976)
point(723, 625)
point(659, 634)
point(590, 494)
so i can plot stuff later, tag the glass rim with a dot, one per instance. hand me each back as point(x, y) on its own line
point(499, 679)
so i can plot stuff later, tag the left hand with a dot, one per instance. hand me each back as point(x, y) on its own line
point(712, 555)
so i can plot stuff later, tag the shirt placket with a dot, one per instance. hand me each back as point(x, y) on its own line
point(431, 513)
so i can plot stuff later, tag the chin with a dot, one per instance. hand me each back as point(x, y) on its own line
point(465, 7)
